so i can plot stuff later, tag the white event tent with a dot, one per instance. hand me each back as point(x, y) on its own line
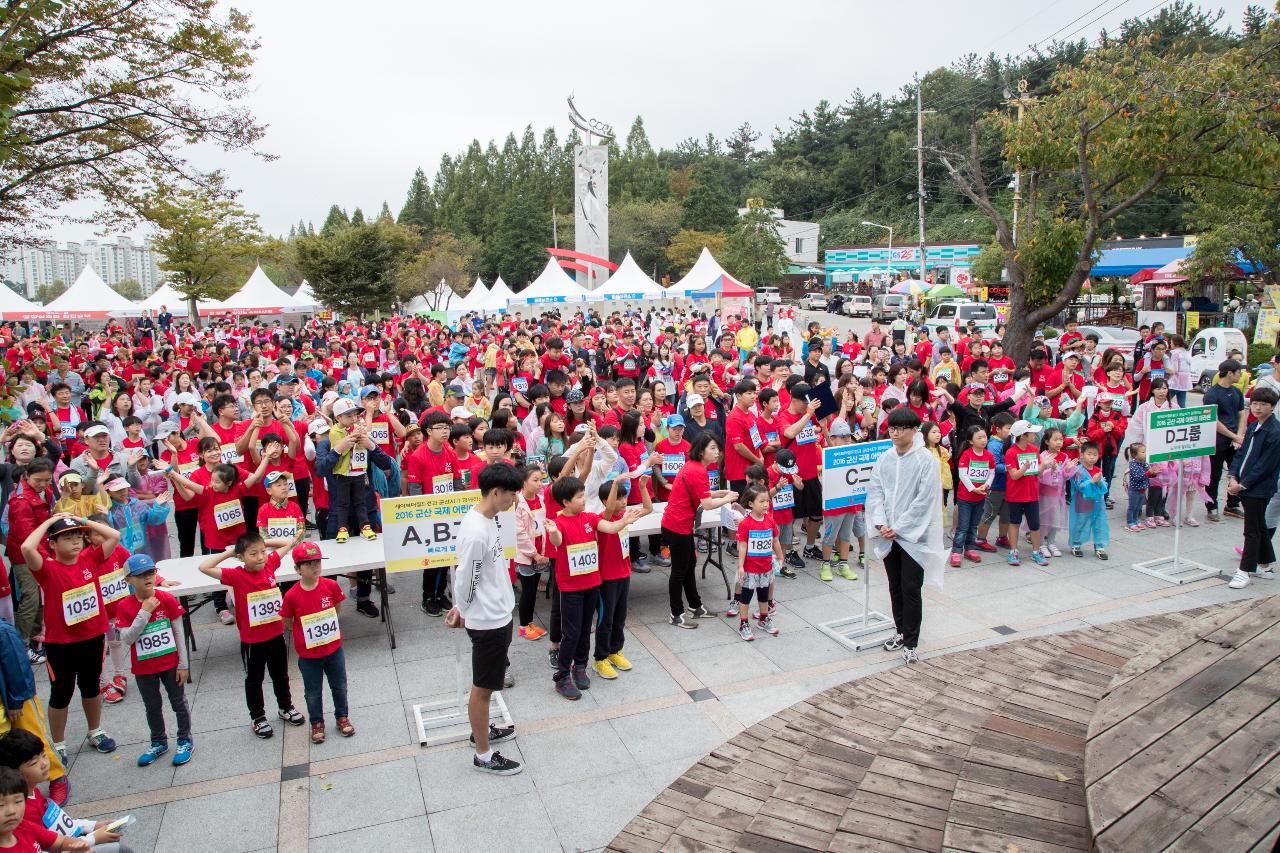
point(259, 296)
point(703, 273)
point(551, 286)
point(473, 301)
point(629, 283)
point(303, 299)
point(166, 296)
point(90, 290)
point(14, 306)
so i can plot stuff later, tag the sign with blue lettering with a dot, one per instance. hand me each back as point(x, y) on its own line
point(846, 471)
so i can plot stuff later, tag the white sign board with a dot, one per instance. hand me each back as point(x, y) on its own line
point(846, 470)
point(1181, 433)
point(421, 532)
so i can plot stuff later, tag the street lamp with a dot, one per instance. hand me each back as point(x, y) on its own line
point(888, 261)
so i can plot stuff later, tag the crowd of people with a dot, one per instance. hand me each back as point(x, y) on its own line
point(251, 440)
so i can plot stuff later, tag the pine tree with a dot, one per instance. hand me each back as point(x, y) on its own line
point(384, 215)
point(334, 222)
point(709, 207)
point(419, 207)
point(518, 248)
point(357, 217)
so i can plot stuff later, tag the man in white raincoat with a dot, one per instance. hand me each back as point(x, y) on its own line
point(904, 508)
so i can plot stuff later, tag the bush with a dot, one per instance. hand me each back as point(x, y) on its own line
point(1260, 353)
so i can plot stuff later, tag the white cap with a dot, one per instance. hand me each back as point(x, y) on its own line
point(344, 406)
point(1023, 427)
point(461, 412)
point(694, 400)
point(1065, 403)
point(318, 426)
point(186, 398)
point(96, 429)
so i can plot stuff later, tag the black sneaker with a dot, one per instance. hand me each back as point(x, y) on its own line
point(732, 548)
point(640, 567)
point(1234, 512)
point(553, 658)
point(682, 621)
point(580, 678)
point(812, 552)
point(794, 560)
point(498, 764)
point(1077, 551)
point(701, 612)
point(1110, 503)
point(497, 735)
point(310, 525)
point(893, 643)
point(368, 608)
point(788, 572)
point(291, 716)
point(431, 607)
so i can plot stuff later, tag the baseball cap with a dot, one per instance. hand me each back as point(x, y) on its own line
point(369, 389)
point(454, 391)
point(64, 525)
point(786, 460)
point(165, 430)
point(1022, 428)
point(460, 412)
point(574, 396)
point(286, 379)
point(139, 564)
point(343, 406)
point(186, 398)
point(116, 484)
point(694, 400)
point(276, 475)
point(318, 426)
point(304, 551)
point(839, 428)
point(674, 421)
point(1067, 355)
point(96, 429)
point(1065, 403)
point(975, 388)
point(70, 477)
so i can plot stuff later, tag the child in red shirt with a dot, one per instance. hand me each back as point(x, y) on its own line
point(310, 612)
point(280, 517)
point(758, 547)
point(1022, 489)
point(258, 603)
point(615, 569)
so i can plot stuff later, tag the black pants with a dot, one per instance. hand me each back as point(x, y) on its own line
point(250, 505)
point(1223, 453)
point(1257, 536)
point(613, 617)
point(266, 657)
point(528, 597)
point(1108, 471)
point(1156, 503)
point(435, 584)
point(347, 498)
point(186, 521)
point(72, 665)
point(304, 494)
point(577, 609)
point(683, 583)
point(322, 523)
point(149, 686)
point(906, 577)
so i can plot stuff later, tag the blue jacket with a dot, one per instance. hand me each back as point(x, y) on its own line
point(996, 446)
point(17, 684)
point(1257, 462)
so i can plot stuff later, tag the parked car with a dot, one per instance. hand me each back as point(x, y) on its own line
point(856, 306)
point(1210, 348)
point(1109, 337)
point(958, 315)
point(813, 302)
point(769, 294)
point(887, 306)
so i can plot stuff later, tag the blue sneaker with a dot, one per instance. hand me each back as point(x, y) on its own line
point(1039, 558)
point(183, 755)
point(153, 752)
point(103, 742)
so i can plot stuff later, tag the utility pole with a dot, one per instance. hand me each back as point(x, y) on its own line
point(1020, 102)
point(920, 171)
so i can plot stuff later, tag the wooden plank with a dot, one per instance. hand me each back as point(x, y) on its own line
point(665, 815)
point(726, 799)
point(806, 777)
point(812, 818)
point(785, 831)
point(913, 735)
point(677, 800)
point(872, 803)
point(926, 723)
point(1078, 717)
point(1021, 825)
point(998, 776)
point(682, 844)
point(1101, 656)
point(924, 757)
point(1026, 749)
point(1159, 650)
point(907, 792)
point(625, 842)
point(848, 842)
point(898, 831)
point(644, 828)
point(808, 797)
point(1016, 801)
point(708, 833)
point(974, 840)
point(752, 843)
point(1241, 818)
point(851, 773)
point(721, 817)
point(1036, 734)
point(746, 786)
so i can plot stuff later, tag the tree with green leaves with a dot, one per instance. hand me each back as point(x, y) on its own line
point(98, 98)
point(709, 206)
point(447, 258)
point(334, 222)
point(518, 248)
point(46, 293)
point(356, 269)
point(683, 250)
point(754, 253)
point(643, 228)
point(129, 288)
point(357, 217)
point(204, 237)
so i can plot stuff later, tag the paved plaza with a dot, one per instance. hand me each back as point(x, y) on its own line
point(591, 765)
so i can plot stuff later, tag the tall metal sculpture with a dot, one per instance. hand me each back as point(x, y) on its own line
point(591, 195)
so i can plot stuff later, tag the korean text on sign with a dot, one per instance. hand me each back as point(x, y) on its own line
point(846, 471)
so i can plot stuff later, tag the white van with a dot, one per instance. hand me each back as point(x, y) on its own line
point(768, 294)
point(887, 306)
point(1210, 348)
point(958, 316)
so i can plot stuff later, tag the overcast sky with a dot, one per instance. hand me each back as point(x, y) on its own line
point(356, 95)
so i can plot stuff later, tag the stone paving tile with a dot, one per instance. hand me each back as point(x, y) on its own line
point(365, 796)
point(229, 752)
point(377, 727)
point(470, 828)
point(576, 754)
point(409, 834)
point(668, 734)
point(610, 799)
point(449, 781)
point(246, 820)
point(726, 663)
point(143, 834)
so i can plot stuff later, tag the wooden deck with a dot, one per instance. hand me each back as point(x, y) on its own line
point(974, 751)
point(1183, 751)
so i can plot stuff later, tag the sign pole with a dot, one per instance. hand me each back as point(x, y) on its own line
point(1177, 528)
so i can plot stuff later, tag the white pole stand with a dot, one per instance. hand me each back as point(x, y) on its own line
point(856, 633)
point(445, 720)
point(1174, 569)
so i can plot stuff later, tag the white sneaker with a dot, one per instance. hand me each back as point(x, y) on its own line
point(1239, 581)
point(1265, 574)
point(909, 655)
point(1045, 552)
point(893, 643)
point(1054, 552)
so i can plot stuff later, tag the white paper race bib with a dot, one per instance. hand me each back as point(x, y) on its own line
point(156, 640)
point(979, 472)
point(231, 456)
point(672, 463)
point(808, 435)
point(359, 460)
point(228, 514)
point(282, 528)
point(68, 431)
point(321, 628)
point(264, 606)
point(80, 604)
point(759, 543)
point(785, 497)
point(624, 542)
point(442, 484)
point(1031, 460)
point(380, 433)
point(584, 558)
point(114, 585)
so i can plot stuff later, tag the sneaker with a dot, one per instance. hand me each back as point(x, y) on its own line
point(368, 608)
point(36, 657)
point(824, 573)
point(153, 752)
point(497, 734)
point(955, 560)
point(1214, 516)
point(508, 679)
point(1038, 559)
point(773, 606)
point(1054, 552)
point(60, 790)
point(368, 532)
point(701, 545)
point(317, 732)
point(121, 683)
point(342, 536)
point(619, 661)
point(1110, 503)
point(1239, 551)
point(893, 643)
point(701, 612)
point(843, 570)
point(1234, 512)
point(661, 559)
point(973, 556)
point(766, 625)
point(910, 656)
point(604, 669)
point(226, 617)
point(1190, 522)
point(680, 621)
point(344, 727)
point(185, 747)
point(732, 547)
point(812, 552)
point(580, 678)
point(788, 573)
point(862, 561)
point(639, 559)
point(1101, 554)
point(1151, 522)
point(498, 764)
point(744, 631)
point(553, 657)
point(1013, 558)
point(984, 545)
point(666, 554)
point(310, 525)
point(1002, 542)
point(731, 609)
point(112, 695)
point(291, 716)
point(1044, 552)
point(1161, 521)
point(640, 568)
point(262, 728)
point(1264, 574)
point(102, 742)
point(794, 560)
point(1077, 551)
point(431, 607)
point(566, 688)
point(532, 632)
point(1136, 528)
point(1239, 580)
point(62, 753)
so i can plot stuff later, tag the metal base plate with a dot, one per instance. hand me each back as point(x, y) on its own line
point(856, 633)
point(1177, 571)
point(445, 720)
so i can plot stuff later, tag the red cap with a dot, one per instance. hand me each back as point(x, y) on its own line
point(305, 551)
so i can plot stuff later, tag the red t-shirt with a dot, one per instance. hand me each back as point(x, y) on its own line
point(30, 836)
point(257, 620)
point(73, 600)
point(806, 445)
point(281, 522)
point(227, 437)
point(222, 518)
point(154, 651)
point(111, 578)
point(187, 463)
point(674, 457)
point(469, 471)
point(757, 537)
point(578, 554)
point(434, 472)
point(980, 467)
point(1027, 487)
point(691, 486)
point(615, 554)
point(314, 612)
point(1001, 372)
point(740, 430)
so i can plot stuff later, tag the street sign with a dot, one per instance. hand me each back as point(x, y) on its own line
point(846, 470)
point(1181, 433)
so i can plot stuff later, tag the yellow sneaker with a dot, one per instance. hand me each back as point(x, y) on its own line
point(342, 535)
point(604, 669)
point(619, 661)
point(368, 533)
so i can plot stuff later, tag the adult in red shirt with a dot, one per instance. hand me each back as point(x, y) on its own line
point(742, 436)
point(802, 435)
point(30, 505)
point(690, 492)
point(433, 470)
